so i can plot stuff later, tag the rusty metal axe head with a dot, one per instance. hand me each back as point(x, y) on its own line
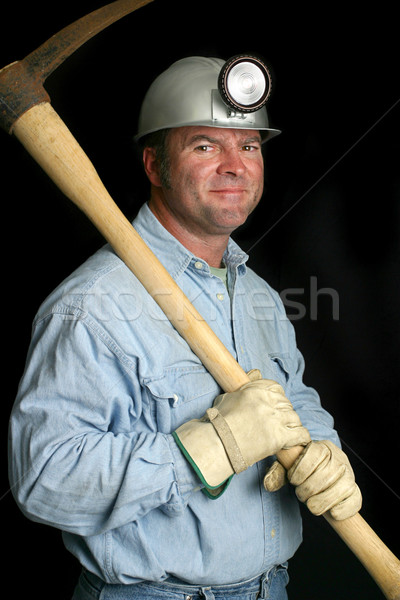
point(21, 82)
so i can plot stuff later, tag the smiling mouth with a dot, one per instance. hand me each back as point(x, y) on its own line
point(229, 191)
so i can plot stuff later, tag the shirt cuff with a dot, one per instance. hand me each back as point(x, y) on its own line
point(186, 479)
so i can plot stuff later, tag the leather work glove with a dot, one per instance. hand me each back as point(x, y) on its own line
point(241, 428)
point(325, 481)
point(275, 477)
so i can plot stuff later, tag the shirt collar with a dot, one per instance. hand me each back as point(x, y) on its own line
point(172, 254)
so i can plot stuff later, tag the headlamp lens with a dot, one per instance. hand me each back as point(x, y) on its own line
point(245, 83)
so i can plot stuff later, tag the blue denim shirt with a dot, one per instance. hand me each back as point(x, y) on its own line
point(106, 382)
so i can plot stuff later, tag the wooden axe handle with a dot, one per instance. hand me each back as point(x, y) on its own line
point(52, 145)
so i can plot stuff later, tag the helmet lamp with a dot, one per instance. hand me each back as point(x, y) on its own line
point(244, 83)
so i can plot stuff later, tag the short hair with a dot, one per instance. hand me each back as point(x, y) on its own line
point(158, 141)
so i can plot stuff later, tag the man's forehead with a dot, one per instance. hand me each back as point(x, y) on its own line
point(193, 133)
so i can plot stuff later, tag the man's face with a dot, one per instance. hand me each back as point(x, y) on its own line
point(215, 178)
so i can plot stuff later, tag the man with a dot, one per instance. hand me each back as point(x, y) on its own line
point(121, 438)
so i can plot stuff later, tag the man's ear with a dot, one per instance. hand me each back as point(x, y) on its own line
point(151, 166)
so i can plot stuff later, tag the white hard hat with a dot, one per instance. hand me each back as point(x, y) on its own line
point(209, 92)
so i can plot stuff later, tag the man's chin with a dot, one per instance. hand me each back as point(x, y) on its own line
point(228, 224)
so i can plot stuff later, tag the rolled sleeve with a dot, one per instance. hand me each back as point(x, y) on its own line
point(81, 456)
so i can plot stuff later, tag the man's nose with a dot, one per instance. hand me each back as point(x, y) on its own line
point(231, 163)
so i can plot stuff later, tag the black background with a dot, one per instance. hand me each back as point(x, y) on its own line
point(330, 215)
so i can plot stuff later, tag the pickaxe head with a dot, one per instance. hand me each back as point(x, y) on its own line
point(21, 82)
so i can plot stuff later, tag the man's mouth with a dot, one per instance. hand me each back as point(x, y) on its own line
point(229, 190)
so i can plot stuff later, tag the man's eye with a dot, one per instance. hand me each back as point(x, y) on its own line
point(204, 148)
point(249, 148)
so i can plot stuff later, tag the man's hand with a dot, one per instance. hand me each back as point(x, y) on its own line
point(240, 429)
point(325, 481)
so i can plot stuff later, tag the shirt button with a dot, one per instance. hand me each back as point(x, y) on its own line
point(198, 264)
point(176, 399)
point(220, 297)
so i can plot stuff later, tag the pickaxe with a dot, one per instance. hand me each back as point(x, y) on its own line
point(27, 113)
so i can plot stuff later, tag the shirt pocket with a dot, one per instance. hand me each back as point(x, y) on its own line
point(279, 365)
point(180, 394)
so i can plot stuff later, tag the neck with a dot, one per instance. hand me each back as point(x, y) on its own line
point(209, 247)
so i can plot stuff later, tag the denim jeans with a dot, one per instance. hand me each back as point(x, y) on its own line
point(270, 585)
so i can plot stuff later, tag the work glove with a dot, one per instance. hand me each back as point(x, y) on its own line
point(275, 477)
point(241, 428)
point(324, 479)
